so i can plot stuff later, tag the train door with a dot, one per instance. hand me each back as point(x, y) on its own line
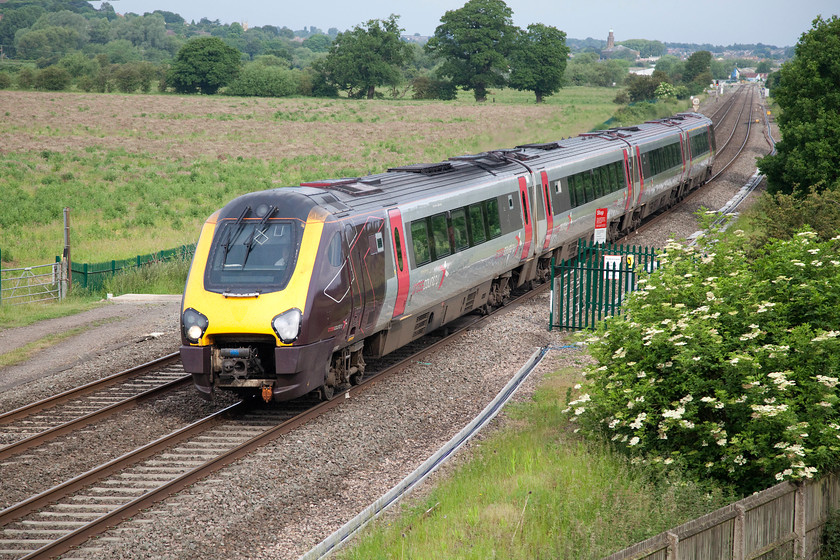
point(357, 284)
point(629, 174)
point(400, 259)
point(641, 184)
point(527, 217)
point(549, 210)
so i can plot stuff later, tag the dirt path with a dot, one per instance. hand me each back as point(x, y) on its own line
point(110, 338)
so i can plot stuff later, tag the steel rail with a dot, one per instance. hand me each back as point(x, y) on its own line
point(84, 390)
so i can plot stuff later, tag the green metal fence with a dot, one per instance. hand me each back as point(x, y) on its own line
point(93, 275)
point(592, 286)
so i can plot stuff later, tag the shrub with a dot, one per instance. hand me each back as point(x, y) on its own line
point(725, 365)
point(830, 549)
point(5, 81)
point(265, 81)
point(427, 88)
point(52, 78)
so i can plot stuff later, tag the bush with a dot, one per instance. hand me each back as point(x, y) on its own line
point(5, 81)
point(779, 216)
point(427, 88)
point(260, 80)
point(52, 78)
point(726, 365)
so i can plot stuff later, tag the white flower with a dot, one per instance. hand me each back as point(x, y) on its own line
point(634, 441)
point(580, 410)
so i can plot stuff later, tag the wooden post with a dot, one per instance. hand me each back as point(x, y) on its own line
point(739, 542)
point(68, 277)
point(799, 522)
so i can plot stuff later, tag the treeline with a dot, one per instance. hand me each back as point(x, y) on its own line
point(58, 45)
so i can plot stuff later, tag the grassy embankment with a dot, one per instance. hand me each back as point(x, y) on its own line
point(537, 490)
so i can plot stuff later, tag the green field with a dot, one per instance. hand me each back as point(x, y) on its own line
point(142, 172)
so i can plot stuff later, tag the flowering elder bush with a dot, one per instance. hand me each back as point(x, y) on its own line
point(728, 367)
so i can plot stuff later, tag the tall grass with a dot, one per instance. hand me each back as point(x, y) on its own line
point(167, 277)
point(536, 490)
point(143, 172)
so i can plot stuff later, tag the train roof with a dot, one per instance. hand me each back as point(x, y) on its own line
point(419, 181)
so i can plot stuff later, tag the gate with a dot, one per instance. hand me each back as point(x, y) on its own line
point(30, 284)
point(591, 287)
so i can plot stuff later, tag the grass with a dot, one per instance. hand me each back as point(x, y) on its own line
point(24, 353)
point(155, 278)
point(537, 490)
point(22, 315)
point(141, 173)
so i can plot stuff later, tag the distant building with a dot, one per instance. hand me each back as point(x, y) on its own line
point(620, 51)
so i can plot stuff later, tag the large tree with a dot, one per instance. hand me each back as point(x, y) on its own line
point(474, 42)
point(808, 94)
point(538, 61)
point(204, 65)
point(365, 57)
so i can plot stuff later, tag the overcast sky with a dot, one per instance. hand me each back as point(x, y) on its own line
point(718, 22)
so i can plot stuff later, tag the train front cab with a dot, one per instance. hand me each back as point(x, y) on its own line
point(246, 319)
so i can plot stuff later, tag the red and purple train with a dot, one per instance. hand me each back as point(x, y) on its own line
point(292, 289)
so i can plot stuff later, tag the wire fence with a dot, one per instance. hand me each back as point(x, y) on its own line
point(92, 275)
point(47, 282)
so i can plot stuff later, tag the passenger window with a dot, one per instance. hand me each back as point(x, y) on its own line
point(420, 242)
point(524, 208)
point(399, 248)
point(494, 224)
point(440, 236)
point(587, 181)
point(478, 228)
point(334, 251)
point(459, 229)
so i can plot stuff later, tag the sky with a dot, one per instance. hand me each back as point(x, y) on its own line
point(716, 22)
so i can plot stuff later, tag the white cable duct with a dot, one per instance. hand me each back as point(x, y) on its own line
point(342, 535)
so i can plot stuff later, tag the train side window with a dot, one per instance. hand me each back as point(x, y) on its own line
point(601, 181)
point(548, 211)
point(610, 168)
point(334, 251)
point(459, 229)
point(420, 242)
point(478, 226)
point(494, 223)
point(440, 236)
point(587, 181)
point(577, 189)
point(399, 248)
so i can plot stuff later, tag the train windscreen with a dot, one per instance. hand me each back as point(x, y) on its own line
point(252, 256)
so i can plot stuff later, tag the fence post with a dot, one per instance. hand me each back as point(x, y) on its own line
point(1, 277)
point(551, 298)
point(799, 522)
point(69, 263)
point(738, 541)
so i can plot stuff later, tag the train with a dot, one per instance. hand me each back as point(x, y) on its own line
point(291, 290)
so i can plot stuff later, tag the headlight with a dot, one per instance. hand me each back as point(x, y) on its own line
point(195, 324)
point(287, 325)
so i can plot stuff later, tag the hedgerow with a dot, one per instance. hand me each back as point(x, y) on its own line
point(724, 365)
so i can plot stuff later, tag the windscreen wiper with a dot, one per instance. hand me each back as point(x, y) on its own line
point(249, 244)
point(237, 225)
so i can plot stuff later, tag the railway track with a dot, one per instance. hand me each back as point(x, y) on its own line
point(37, 423)
point(732, 133)
point(54, 521)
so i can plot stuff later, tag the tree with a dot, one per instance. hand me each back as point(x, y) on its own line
point(366, 57)
point(204, 65)
point(538, 61)
point(642, 88)
point(697, 64)
point(474, 42)
point(808, 94)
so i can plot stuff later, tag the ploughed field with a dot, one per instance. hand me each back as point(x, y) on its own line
point(142, 172)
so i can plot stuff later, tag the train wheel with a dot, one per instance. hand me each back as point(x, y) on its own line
point(326, 393)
